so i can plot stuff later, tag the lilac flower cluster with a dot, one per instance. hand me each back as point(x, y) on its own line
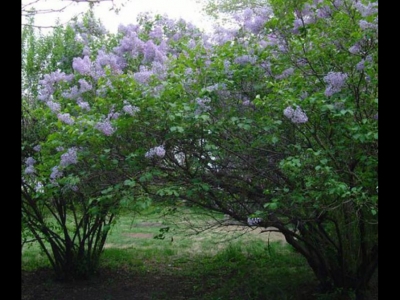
point(156, 33)
point(143, 76)
point(70, 157)
point(54, 107)
point(159, 70)
point(86, 51)
point(297, 115)
point(65, 118)
point(245, 59)
point(84, 105)
point(56, 173)
point(253, 20)
point(277, 41)
point(37, 148)
point(335, 81)
point(30, 169)
point(156, 151)
point(324, 12)
point(215, 87)
point(285, 73)
point(304, 17)
point(361, 65)
point(105, 127)
point(130, 109)
point(82, 65)
point(113, 115)
point(73, 93)
point(191, 44)
point(366, 10)
point(47, 87)
point(223, 35)
point(364, 25)
point(355, 49)
point(202, 105)
point(84, 86)
point(113, 61)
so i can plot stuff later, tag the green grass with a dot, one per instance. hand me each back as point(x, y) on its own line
point(219, 263)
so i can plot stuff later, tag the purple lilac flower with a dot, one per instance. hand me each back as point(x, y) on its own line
point(223, 35)
point(245, 59)
point(60, 148)
point(37, 148)
point(113, 61)
point(29, 170)
point(191, 44)
point(285, 73)
point(105, 127)
point(159, 69)
point(143, 76)
point(156, 151)
point(338, 3)
point(56, 173)
point(55, 77)
point(366, 25)
point(30, 161)
point(247, 14)
point(256, 25)
point(355, 49)
point(324, 12)
point(113, 115)
point(149, 51)
point(211, 88)
point(73, 93)
point(84, 86)
point(298, 23)
point(156, 33)
point(361, 65)
point(188, 71)
point(297, 115)
point(335, 81)
point(65, 118)
point(130, 109)
point(69, 158)
point(202, 105)
point(54, 107)
point(86, 51)
point(82, 65)
point(84, 105)
point(288, 112)
point(367, 10)
point(47, 84)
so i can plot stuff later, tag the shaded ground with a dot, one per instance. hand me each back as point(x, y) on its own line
point(160, 284)
point(109, 285)
point(124, 285)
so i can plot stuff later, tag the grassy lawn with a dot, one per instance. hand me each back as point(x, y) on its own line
point(192, 259)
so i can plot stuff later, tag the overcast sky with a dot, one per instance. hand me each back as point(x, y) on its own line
point(189, 10)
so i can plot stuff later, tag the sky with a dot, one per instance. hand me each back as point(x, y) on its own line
point(189, 10)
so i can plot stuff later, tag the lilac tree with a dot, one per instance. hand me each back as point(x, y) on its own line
point(86, 162)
